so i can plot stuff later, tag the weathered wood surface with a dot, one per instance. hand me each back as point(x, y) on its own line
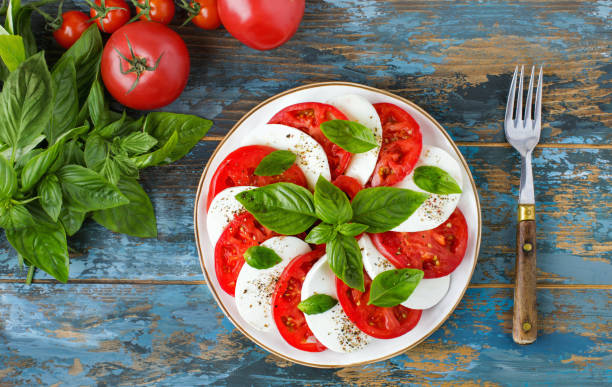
point(144, 315)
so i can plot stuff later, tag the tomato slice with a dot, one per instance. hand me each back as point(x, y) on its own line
point(438, 251)
point(238, 168)
point(348, 185)
point(376, 321)
point(289, 319)
point(240, 234)
point(308, 118)
point(401, 146)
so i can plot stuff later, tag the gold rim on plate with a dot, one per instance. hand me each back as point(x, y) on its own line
point(247, 115)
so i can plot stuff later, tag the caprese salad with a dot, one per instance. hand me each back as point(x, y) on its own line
point(335, 225)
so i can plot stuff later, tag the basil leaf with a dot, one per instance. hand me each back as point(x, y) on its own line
point(73, 154)
point(384, 208)
point(25, 102)
point(331, 204)
point(11, 15)
point(159, 156)
point(285, 208)
point(275, 163)
point(14, 216)
point(110, 170)
point(8, 179)
point(435, 180)
point(74, 132)
point(137, 143)
point(97, 105)
point(112, 129)
point(72, 220)
point(136, 218)
point(96, 152)
point(322, 233)
point(261, 257)
point(126, 166)
point(12, 51)
point(317, 303)
point(85, 190)
point(351, 229)
point(50, 193)
point(344, 257)
point(349, 135)
point(38, 166)
point(65, 102)
point(21, 25)
point(392, 287)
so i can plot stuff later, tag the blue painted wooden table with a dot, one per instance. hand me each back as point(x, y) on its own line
point(138, 311)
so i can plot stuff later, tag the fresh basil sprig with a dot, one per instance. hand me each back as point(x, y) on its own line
point(317, 303)
point(435, 180)
point(331, 204)
point(321, 233)
point(344, 257)
point(352, 229)
point(392, 287)
point(275, 163)
point(261, 257)
point(349, 135)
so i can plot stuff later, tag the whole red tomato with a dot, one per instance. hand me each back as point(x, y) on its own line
point(74, 23)
point(110, 15)
point(161, 11)
point(145, 65)
point(261, 24)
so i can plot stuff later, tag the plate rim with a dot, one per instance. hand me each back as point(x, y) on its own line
point(235, 127)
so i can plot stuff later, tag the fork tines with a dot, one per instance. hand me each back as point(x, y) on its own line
point(526, 119)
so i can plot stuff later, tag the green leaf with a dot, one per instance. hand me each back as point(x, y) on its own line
point(317, 303)
point(331, 204)
point(72, 220)
point(127, 167)
point(73, 153)
point(349, 135)
point(25, 102)
point(113, 129)
point(275, 163)
point(85, 190)
point(435, 180)
point(261, 257)
point(320, 234)
point(8, 179)
point(344, 257)
point(50, 193)
point(159, 156)
point(136, 218)
point(392, 287)
point(22, 25)
point(96, 152)
point(97, 105)
point(12, 51)
point(351, 229)
point(285, 208)
point(384, 208)
point(38, 166)
point(65, 102)
point(110, 170)
point(14, 216)
point(11, 15)
point(74, 133)
point(137, 143)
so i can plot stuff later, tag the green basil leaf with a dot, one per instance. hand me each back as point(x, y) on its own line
point(159, 156)
point(137, 143)
point(73, 153)
point(25, 102)
point(12, 51)
point(11, 15)
point(14, 216)
point(72, 220)
point(392, 287)
point(74, 132)
point(85, 190)
point(136, 218)
point(317, 303)
point(349, 135)
point(50, 193)
point(285, 208)
point(110, 170)
point(351, 229)
point(435, 180)
point(97, 105)
point(331, 204)
point(8, 179)
point(22, 25)
point(320, 234)
point(344, 257)
point(65, 102)
point(96, 152)
point(112, 129)
point(384, 208)
point(38, 166)
point(261, 257)
point(275, 163)
point(127, 167)
point(190, 131)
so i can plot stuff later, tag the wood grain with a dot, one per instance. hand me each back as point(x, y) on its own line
point(525, 315)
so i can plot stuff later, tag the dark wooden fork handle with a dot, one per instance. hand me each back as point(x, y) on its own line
point(525, 319)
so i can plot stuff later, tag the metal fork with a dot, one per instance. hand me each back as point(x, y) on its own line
point(523, 133)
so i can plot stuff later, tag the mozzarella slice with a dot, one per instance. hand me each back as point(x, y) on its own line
point(223, 209)
point(358, 109)
point(311, 157)
point(255, 287)
point(427, 293)
point(332, 327)
point(437, 208)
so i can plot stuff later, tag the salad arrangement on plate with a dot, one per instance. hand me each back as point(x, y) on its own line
point(334, 225)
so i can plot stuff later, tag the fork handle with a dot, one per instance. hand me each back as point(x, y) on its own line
point(525, 319)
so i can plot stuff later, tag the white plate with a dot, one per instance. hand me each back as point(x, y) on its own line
point(433, 134)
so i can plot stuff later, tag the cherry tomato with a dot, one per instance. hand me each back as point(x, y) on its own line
point(376, 321)
point(437, 252)
point(240, 234)
point(74, 23)
point(261, 24)
point(208, 15)
point(289, 319)
point(238, 167)
point(110, 15)
point(150, 74)
point(161, 11)
point(308, 118)
point(401, 146)
point(348, 185)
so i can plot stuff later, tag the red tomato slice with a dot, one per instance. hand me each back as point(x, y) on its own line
point(308, 118)
point(401, 145)
point(348, 185)
point(289, 319)
point(240, 234)
point(438, 251)
point(376, 321)
point(238, 167)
